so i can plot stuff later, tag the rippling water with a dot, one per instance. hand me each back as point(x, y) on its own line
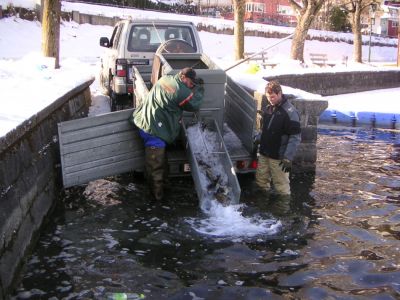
point(337, 238)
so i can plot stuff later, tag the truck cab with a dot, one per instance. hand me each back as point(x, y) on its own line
point(134, 43)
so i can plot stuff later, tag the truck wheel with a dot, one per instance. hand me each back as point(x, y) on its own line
point(119, 102)
point(113, 101)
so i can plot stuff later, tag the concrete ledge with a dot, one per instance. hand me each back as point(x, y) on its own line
point(327, 84)
point(30, 179)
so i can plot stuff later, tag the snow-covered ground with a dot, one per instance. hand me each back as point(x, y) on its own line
point(28, 82)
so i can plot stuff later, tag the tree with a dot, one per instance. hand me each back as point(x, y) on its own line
point(51, 30)
point(306, 11)
point(355, 8)
point(239, 9)
point(338, 19)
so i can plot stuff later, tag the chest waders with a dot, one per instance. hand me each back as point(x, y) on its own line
point(156, 170)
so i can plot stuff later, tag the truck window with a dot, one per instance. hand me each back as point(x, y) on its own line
point(147, 38)
point(112, 39)
point(117, 39)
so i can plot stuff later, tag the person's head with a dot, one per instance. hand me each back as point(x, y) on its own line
point(188, 77)
point(273, 91)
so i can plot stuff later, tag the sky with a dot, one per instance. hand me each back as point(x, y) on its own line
point(29, 82)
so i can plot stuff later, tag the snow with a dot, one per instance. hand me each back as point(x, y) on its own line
point(29, 82)
point(380, 105)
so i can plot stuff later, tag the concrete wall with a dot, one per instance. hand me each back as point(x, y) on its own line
point(92, 19)
point(327, 84)
point(30, 178)
point(81, 18)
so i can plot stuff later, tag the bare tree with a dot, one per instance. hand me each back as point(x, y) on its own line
point(306, 11)
point(355, 9)
point(239, 10)
point(51, 29)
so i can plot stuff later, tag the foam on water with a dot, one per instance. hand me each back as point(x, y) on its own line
point(228, 221)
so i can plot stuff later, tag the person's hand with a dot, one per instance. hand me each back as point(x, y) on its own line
point(286, 165)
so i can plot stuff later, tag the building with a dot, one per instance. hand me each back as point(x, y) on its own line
point(275, 12)
point(389, 20)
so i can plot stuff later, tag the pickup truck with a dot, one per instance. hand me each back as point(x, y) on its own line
point(134, 43)
point(106, 145)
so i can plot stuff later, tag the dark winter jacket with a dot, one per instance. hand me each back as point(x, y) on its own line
point(161, 111)
point(280, 135)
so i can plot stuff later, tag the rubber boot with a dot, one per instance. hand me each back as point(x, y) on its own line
point(155, 165)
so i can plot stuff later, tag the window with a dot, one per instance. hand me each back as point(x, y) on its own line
point(255, 7)
point(147, 38)
point(117, 39)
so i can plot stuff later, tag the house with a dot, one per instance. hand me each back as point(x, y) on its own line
point(389, 20)
point(275, 12)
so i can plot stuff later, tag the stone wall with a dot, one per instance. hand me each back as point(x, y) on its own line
point(309, 111)
point(30, 178)
point(327, 84)
point(82, 18)
point(93, 19)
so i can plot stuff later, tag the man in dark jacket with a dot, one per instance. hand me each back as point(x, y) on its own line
point(280, 137)
point(158, 118)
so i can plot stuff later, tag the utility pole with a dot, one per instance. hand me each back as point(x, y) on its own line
point(398, 40)
point(372, 9)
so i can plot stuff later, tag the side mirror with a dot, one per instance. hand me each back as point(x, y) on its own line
point(104, 42)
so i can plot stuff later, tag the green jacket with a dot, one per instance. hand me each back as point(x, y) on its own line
point(161, 111)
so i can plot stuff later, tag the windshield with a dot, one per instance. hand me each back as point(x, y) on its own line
point(147, 38)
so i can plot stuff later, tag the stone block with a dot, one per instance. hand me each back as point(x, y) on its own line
point(12, 216)
point(12, 258)
point(25, 154)
point(44, 202)
point(12, 166)
point(309, 134)
point(307, 153)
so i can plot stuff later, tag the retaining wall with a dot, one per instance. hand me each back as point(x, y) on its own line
point(30, 178)
point(82, 18)
point(327, 84)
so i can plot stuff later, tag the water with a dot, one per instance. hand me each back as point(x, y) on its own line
point(337, 238)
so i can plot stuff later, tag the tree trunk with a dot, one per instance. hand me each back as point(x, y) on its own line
point(356, 28)
point(239, 8)
point(51, 30)
point(305, 16)
point(300, 36)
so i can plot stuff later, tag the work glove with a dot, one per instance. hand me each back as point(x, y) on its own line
point(286, 165)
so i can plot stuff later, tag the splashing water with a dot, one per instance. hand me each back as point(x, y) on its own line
point(228, 221)
point(224, 218)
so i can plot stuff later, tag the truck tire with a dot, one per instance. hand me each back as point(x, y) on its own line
point(119, 102)
point(114, 103)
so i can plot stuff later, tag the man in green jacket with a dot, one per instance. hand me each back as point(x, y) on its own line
point(158, 118)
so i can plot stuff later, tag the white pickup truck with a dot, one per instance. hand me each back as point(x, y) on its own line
point(134, 43)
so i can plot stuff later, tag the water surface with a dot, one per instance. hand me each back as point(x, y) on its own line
point(336, 238)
